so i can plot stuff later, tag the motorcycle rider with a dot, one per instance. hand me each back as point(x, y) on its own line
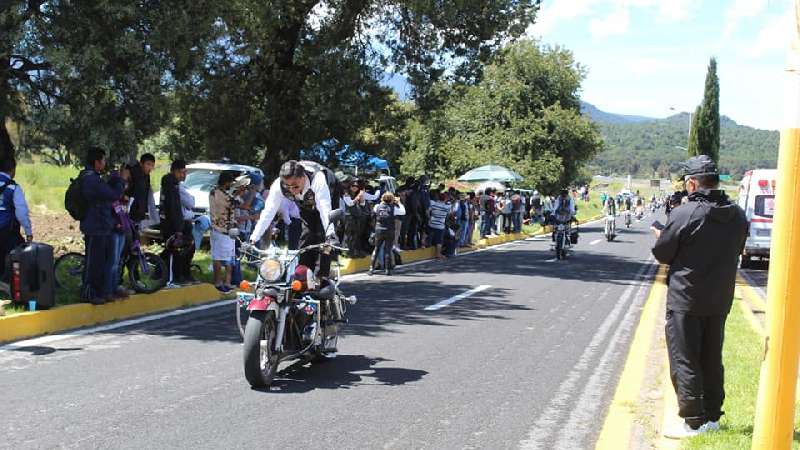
point(565, 205)
point(310, 192)
point(563, 210)
point(610, 209)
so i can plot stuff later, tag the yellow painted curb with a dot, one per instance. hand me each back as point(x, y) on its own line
point(750, 294)
point(616, 432)
point(25, 325)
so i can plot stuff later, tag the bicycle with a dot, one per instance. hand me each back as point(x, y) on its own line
point(146, 272)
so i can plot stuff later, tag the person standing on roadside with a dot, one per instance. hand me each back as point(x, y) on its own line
point(139, 189)
point(701, 243)
point(13, 213)
point(97, 226)
point(178, 255)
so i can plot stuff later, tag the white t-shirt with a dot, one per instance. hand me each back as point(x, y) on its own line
point(275, 200)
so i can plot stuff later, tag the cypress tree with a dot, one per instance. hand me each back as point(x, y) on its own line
point(708, 124)
point(693, 148)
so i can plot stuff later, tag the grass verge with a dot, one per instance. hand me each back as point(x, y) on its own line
point(742, 358)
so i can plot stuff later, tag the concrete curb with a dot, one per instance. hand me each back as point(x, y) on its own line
point(62, 318)
point(30, 324)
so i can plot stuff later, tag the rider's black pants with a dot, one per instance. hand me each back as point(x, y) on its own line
point(694, 344)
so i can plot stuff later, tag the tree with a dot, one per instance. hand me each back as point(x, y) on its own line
point(708, 128)
point(523, 114)
point(279, 77)
point(693, 147)
point(93, 72)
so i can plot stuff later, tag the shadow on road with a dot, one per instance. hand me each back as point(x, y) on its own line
point(342, 372)
point(38, 350)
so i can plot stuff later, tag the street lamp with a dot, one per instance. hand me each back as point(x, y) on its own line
point(689, 133)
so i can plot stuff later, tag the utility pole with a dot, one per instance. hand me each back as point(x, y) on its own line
point(774, 421)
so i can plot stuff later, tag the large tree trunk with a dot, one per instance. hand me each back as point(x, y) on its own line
point(6, 146)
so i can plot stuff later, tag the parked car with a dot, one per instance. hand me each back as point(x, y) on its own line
point(201, 177)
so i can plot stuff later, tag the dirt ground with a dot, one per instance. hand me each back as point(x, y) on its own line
point(56, 229)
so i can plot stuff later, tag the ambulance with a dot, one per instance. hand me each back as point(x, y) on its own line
point(757, 199)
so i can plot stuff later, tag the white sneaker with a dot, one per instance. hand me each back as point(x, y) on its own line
point(685, 431)
point(712, 426)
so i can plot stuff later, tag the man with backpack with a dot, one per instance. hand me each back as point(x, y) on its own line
point(385, 213)
point(89, 199)
point(13, 214)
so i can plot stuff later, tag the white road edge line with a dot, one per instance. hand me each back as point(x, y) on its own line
point(456, 298)
point(544, 430)
point(595, 242)
point(99, 329)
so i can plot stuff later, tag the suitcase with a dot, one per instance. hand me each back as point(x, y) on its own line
point(32, 275)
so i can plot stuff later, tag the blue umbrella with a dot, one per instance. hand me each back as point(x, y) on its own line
point(491, 173)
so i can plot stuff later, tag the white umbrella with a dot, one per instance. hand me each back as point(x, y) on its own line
point(491, 173)
point(490, 184)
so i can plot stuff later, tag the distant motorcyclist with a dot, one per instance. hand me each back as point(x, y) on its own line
point(564, 205)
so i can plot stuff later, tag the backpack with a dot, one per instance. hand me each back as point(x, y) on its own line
point(384, 217)
point(11, 216)
point(74, 201)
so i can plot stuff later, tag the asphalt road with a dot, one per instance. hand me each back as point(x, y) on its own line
point(530, 362)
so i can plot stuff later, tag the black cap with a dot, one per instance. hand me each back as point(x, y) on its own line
point(700, 165)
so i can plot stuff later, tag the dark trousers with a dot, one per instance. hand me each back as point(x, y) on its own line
point(384, 239)
point(694, 344)
point(313, 234)
point(295, 230)
point(409, 238)
point(99, 253)
point(179, 261)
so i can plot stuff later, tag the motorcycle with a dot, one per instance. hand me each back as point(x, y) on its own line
point(611, 227)
point(290, 314)
point(564, 236)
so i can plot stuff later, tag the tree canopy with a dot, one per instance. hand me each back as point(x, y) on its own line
point(524, 114)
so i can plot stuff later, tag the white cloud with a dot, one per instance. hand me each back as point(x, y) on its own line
point(615, 23)
point(676, 10)
point(556, 12)
point(774, 36)
point(736, 13)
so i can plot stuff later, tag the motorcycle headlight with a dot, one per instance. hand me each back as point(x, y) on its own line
point(271, 270)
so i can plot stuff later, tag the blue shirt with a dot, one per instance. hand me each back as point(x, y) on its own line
point(20, 205)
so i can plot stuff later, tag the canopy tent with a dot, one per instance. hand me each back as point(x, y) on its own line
point(491, 173)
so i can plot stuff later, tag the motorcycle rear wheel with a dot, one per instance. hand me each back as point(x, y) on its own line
point(260, 361)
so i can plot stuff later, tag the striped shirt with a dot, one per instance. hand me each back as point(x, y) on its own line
point(439, 211)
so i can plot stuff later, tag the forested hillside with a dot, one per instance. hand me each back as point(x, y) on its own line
point(641, 147)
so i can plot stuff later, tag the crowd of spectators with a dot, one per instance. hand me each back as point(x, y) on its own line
point(376, 223)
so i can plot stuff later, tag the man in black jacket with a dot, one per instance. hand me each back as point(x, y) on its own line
point(139, 189)
point(173, 224)
point(701, 243)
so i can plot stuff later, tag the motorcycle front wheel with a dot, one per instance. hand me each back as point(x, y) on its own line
point(260, 361)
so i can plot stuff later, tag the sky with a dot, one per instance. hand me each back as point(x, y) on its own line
point(650, 57)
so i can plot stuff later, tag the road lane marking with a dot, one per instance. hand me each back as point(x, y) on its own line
point(619, 420)
point(458, 297)
point(541, 435)
point(595, 242)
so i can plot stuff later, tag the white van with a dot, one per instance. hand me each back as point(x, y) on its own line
point(757, 199)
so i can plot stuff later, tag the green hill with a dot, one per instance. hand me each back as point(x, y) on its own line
point(643, 147)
